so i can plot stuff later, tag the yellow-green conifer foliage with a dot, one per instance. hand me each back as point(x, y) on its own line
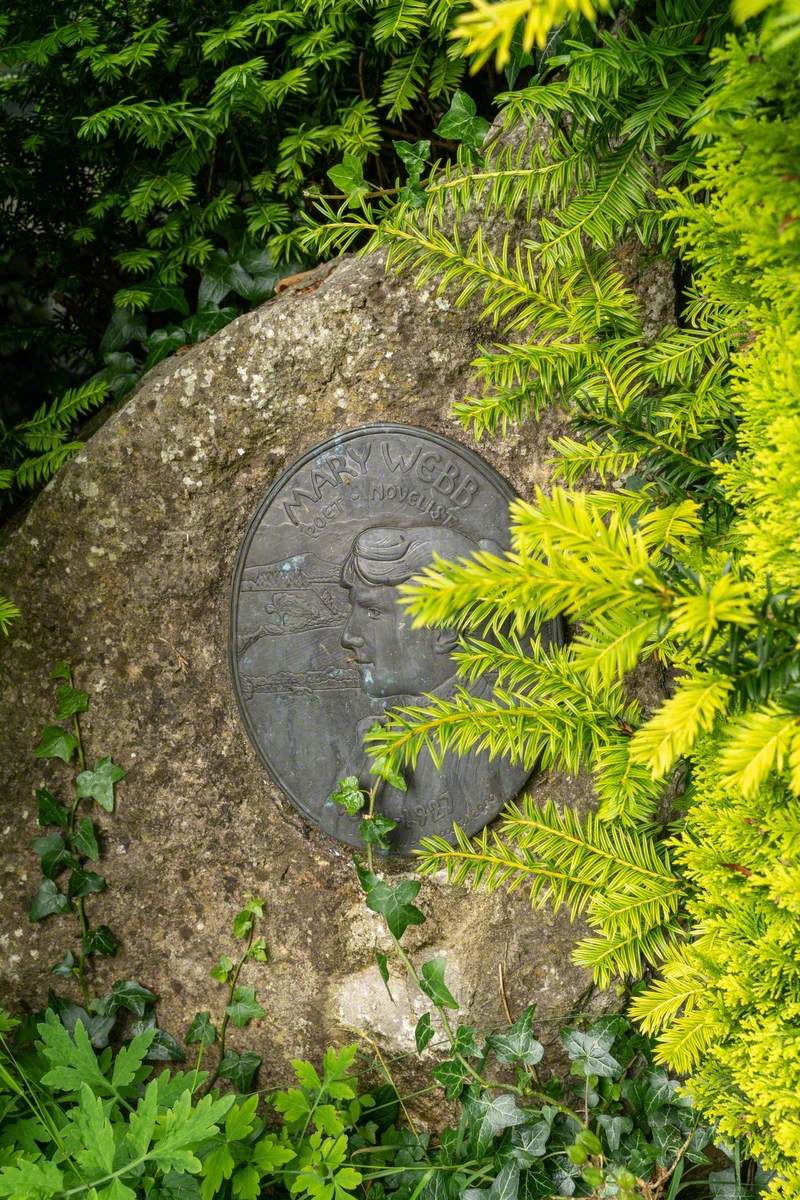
point(676, 132)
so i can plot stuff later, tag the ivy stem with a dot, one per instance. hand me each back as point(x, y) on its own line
point(234, 979)
point(525, 1093)
point(80, 969)
point(368, 816)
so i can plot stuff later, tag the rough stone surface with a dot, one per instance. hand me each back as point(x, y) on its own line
point(123, 566)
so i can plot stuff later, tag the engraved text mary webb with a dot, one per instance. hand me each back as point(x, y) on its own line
point(321, 647)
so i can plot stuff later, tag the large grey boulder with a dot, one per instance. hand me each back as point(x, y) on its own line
point(123, 566)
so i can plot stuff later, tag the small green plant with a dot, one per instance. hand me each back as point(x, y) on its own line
point(89, 1109)
point(242, 1006)
point(68, 854)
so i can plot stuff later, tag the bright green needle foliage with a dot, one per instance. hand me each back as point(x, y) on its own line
point(671, 132)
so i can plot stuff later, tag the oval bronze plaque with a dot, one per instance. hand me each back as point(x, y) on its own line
point(320, 647)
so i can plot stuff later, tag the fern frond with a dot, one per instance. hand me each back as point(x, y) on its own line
point(608, 460)
point(567, 523)
point(398, 20)
point(507, 725)
point(601, 213)
point(48, 425)
point(404, 81)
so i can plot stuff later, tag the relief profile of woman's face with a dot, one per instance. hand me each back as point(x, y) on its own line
point(394, 658)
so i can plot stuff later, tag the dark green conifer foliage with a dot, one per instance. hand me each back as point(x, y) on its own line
point(155, 159)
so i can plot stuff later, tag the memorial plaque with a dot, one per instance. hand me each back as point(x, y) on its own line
point(320, 647)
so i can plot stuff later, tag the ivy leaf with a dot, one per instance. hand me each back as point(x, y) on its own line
point(56, 742)
point(207, 321)
point(453, 1075)
point(85, 883)
point(124, 327)
point(433, 984)
point(661, 1091)
point(166, 298)
point(61, 670)
point(221, 275)
point(259, 265)
point(70, 701)
point(99, 784)
point(614, 1127)
point(589, 1053)
point(375, 830)
point(222, 969)
point(163, 342)
point(120, 372)
point(348, 177)
point(201, 1030)
point(48, 900)
point(505, 1185)
point(349, 795)
point(383, 968)
point(465, 1043)
point(518, 1044)
point(383, 767)
point(128, 994)
point(392, 903)
point(243, 921)
point(489, 1115)
point(54, 855)
point(423, 1032)
point(530, 1141)
point(101, 941)
point(244, 1007)
point(51, 811)
point(85, 841)
point(414, 156)
point(462, 124)
point(65, 966)
point(162, 1047)
point(97, 1026)
point(240, 1069)
point(258, 951)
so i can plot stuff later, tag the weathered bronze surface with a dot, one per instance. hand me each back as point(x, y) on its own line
point(320, 647)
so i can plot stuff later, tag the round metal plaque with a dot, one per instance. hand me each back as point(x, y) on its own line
point(320, 648)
